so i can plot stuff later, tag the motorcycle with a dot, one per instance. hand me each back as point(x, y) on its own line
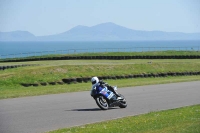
point(105, 98)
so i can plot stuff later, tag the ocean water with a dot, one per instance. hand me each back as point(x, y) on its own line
point(23, 49)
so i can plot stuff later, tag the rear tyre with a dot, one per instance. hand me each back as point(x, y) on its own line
point(101, 102)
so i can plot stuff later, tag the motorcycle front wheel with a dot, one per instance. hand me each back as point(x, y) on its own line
point(123, 103)
point(101, 102)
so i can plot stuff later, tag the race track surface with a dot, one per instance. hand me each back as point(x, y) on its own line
point(49, 112)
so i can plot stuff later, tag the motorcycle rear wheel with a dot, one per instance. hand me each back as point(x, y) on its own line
point(101, 102)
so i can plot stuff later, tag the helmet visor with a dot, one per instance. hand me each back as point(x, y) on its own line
point(93, 82)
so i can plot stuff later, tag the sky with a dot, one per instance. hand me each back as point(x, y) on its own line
point(47, 17)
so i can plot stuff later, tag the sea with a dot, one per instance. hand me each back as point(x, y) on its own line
point(24, 49)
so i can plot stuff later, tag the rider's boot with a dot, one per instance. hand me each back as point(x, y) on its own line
point(112, 89)
point(118, 96)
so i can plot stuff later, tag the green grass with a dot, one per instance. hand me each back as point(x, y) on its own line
point(14, 91)
point(162, 53)
point(150, 53)
point(101, 62)
point(57, 70)
point(181, 120)
point(48, 71)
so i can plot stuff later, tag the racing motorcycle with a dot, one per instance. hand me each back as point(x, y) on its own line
point(105, 98)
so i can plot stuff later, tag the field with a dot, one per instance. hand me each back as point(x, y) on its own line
point(54, 71)
point(142, 55)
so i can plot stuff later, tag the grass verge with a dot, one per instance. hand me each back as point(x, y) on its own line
point(57, 70)
point(180, 120)
point(149, 53)
point(20, 91)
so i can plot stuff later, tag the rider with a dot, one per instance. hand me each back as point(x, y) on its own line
point(96, 82)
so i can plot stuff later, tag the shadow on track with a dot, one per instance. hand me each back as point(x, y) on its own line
point(92, 109)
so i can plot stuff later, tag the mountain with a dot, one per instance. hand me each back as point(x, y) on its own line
point(101, 32)
point(17, 36)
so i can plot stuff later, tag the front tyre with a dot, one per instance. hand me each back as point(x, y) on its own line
point(101, 102)
point(123, 103)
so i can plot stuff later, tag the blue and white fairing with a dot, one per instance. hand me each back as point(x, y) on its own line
point(103, 91)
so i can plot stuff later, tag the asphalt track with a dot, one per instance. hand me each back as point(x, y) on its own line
point(49, 112)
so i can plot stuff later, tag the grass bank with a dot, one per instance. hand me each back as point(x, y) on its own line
point(149, 53)
point(57, 70)
point(181, 120)
point(14, 91)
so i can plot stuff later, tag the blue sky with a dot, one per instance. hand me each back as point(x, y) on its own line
point(46, 17)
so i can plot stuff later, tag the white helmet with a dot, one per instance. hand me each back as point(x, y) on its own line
point(94, 81)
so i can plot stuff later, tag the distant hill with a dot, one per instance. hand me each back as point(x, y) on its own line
point(17, 36)
point(101, 32)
